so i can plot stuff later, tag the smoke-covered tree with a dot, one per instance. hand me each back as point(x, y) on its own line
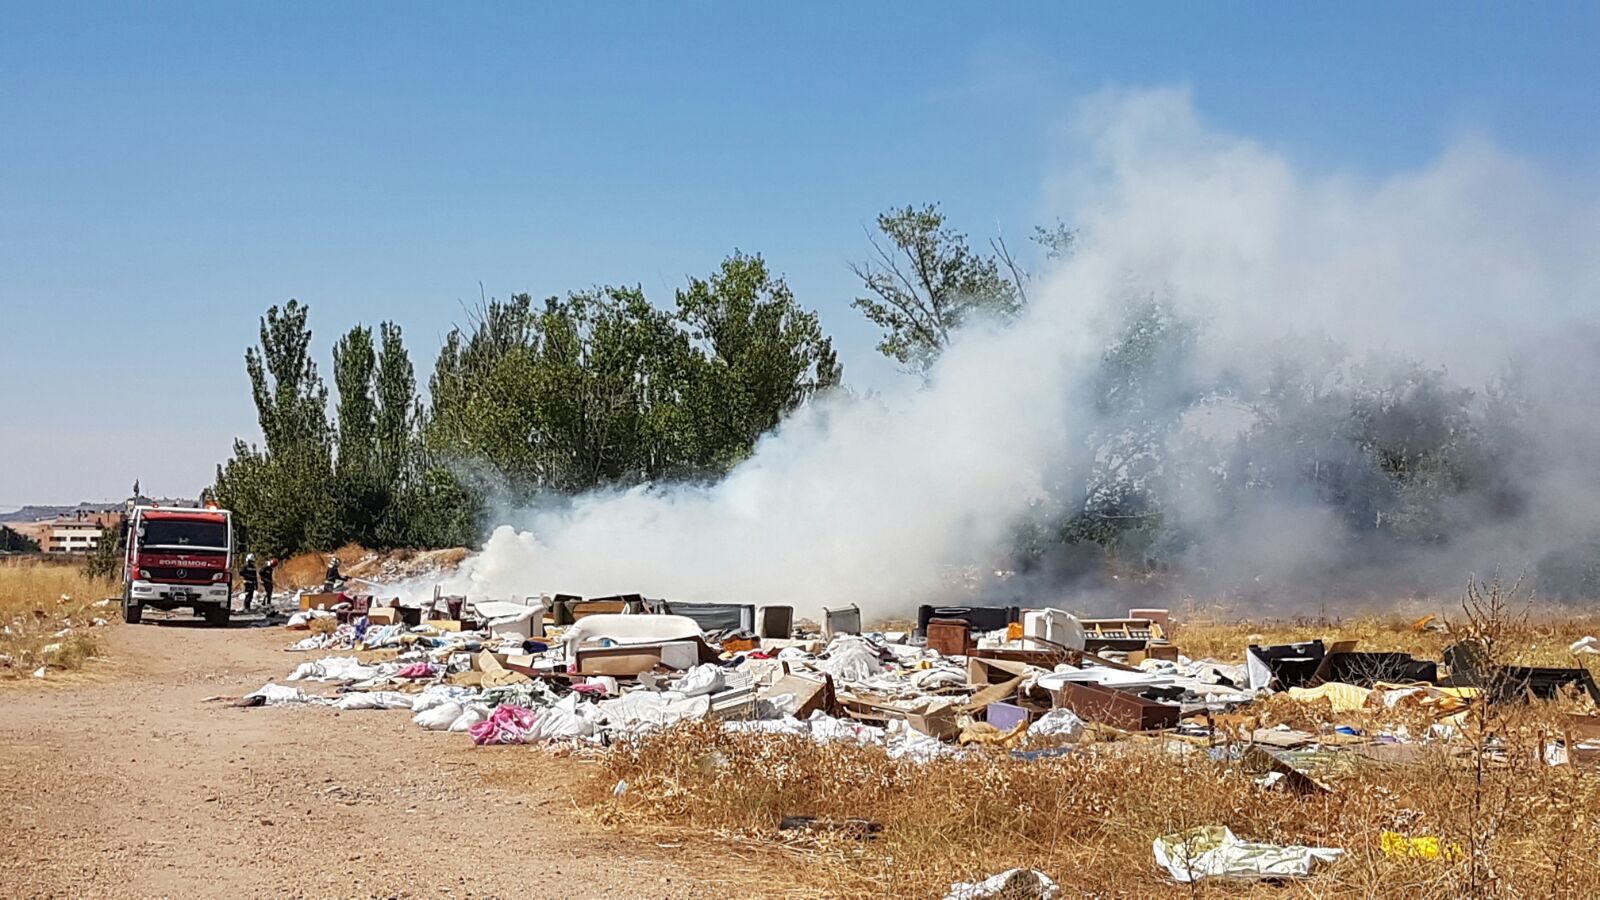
point(1141, 391)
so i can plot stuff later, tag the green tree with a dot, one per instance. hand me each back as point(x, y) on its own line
point(360, 493)
point(600, 387)
point(281, 491)
point(13, 541)
point(925, 282)
point(398, 452)
point(760, 355)
point(105, 560)
point(495, 331)
point(608, 373)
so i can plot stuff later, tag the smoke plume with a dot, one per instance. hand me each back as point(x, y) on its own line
point(1478, 267)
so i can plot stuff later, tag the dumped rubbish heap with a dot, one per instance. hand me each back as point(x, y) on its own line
point(569, 671)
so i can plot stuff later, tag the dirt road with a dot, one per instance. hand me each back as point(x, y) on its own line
point(123, 782)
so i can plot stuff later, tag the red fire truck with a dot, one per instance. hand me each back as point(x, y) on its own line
point(178, 557)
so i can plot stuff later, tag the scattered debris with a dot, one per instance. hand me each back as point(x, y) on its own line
point(967, 682)
point(1396, 845)
point(1212, 851)
point(1012, 884)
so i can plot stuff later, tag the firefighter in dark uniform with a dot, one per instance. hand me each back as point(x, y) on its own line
point(266, 580)
point(247, 574)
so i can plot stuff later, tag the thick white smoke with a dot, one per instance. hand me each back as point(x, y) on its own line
point(874, 501)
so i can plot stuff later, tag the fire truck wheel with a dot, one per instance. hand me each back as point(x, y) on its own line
point(131, 612)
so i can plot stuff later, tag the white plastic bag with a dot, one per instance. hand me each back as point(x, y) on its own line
point(440, 716)
point(471, 715)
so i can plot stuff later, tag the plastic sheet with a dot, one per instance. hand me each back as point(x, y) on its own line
point(1057, 723)
point(1012, 884)
point(851, 659)
point(702, 679)
point(374, 700)
point(648, 709)
point(279, 695)
point(1212, 851)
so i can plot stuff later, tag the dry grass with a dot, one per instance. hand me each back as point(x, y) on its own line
point(1512, 824)
point(48, 608)
point(1088, 819)
point(1537, 636)
point(307, 570)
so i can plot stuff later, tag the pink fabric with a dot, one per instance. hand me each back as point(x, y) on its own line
point(416, 670)
point(508, 724)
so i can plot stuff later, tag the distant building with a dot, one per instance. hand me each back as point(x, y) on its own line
point(71, 536)
point(78, 533)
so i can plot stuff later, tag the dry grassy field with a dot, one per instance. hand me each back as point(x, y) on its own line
point(1494, 817)
point(49, 609)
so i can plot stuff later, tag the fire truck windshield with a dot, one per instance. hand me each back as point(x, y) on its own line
point(178, 533)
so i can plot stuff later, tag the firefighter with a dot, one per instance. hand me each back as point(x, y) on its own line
point(266, 579)
point(247, 574)
point(334, 580)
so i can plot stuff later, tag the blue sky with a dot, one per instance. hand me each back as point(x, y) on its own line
point(169, 171)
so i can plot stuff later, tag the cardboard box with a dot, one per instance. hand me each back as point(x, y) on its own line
point(983, 672)
point(623, 662)
point(383, 615)
point(773, 645)
point(322, 601)
point(1168, 652)
point(445, 624)
point(1044, 659)
point(936, 719)
point(584, 608)
point(811, 694)
point(629, 660)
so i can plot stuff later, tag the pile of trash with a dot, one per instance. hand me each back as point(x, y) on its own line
point(588, 672)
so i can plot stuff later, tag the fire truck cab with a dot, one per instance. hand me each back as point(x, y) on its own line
point(178, 557)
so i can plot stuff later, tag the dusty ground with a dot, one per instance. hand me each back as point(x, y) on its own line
point(123, 781)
